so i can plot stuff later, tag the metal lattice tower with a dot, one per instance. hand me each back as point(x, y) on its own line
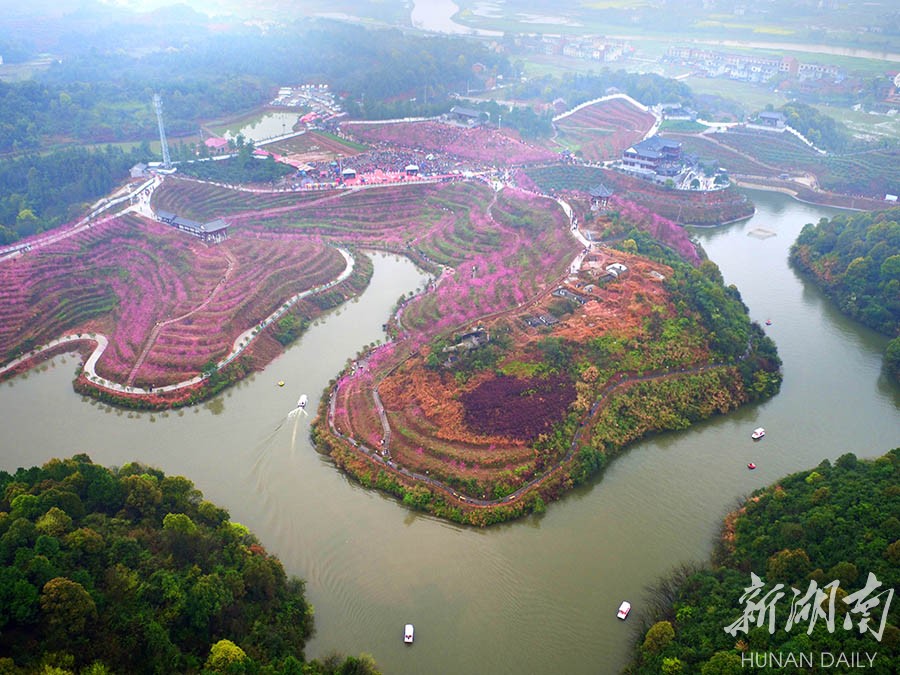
point(157, 103)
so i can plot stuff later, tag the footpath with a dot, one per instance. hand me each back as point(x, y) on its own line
point(138, 201)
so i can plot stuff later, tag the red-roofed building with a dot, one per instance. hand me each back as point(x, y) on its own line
point(216, 145)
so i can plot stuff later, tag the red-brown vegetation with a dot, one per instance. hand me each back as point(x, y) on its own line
point(520, 408)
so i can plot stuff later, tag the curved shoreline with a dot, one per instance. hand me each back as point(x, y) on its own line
point(240, 344)
point(794, 194)
point(380, 459)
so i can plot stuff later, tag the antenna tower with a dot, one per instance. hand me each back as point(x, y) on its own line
point(157, 104)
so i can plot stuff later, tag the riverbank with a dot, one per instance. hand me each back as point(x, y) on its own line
point(372, 564)
point(402, 418)
point(245, 355)
point(811, 196)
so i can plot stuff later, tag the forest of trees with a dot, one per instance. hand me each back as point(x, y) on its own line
point(99, 97)
point(40, 191)
point(131, 571)
point(575, 88)
point(855, 259)
point(837, 523)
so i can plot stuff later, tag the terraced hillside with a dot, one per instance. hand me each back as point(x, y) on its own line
point(602, 131)
point(168, 303)
point(873, 172)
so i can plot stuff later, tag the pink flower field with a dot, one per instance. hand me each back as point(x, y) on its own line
point(167, 302)
point(486, 146)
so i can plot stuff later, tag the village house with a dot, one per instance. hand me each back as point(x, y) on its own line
point(771, 120)
point(216, 146)
point(468, 116)
point(213, 232)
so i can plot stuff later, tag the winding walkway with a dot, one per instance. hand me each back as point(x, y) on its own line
point(240, 343)
point(620, 381)
point(382, 455)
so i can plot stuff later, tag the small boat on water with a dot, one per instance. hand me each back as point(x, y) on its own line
point(768, 322)
point(758, 433)
point(408, 633)
point(624, 608)
point(301, 402)
point(751, 466)
point(280, 383)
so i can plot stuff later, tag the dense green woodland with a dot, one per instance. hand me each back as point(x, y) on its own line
point(823, 131)
point(100, 96)
point(855, 259)
point(839, 522)
point(39, 192)
point(131, 571)
point(575, 88)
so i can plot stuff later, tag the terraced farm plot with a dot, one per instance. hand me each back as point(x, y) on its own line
point(681, 206)
point(873, 172)
point(602, 131)
point(709, 149)
point(779, 151)
point(205, 201)
point(505, 252)
point(168, 303)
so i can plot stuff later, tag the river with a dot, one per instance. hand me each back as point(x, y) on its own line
point(534, 596)
point(437, 16)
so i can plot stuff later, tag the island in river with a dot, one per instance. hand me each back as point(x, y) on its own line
point(503, 389)
point(554, 330)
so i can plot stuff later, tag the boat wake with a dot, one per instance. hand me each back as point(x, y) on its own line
point(263, 451)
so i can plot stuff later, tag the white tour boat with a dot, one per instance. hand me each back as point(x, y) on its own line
point(758, 433)
point(624, 608)
point(408, 633)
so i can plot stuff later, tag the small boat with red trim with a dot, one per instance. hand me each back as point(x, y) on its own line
point(758, 433)
point(751, 466)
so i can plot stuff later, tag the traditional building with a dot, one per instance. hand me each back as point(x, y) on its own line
point(773, 120)
point(212, 232)
point(600, 196)
point(467, 116)
point(655, 154)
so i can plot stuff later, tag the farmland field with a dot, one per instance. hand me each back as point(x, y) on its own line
point(872, 172)
point(471, 410)
point(548, 336)
point(313, 146)
point(602, 131)
point(168, 303)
